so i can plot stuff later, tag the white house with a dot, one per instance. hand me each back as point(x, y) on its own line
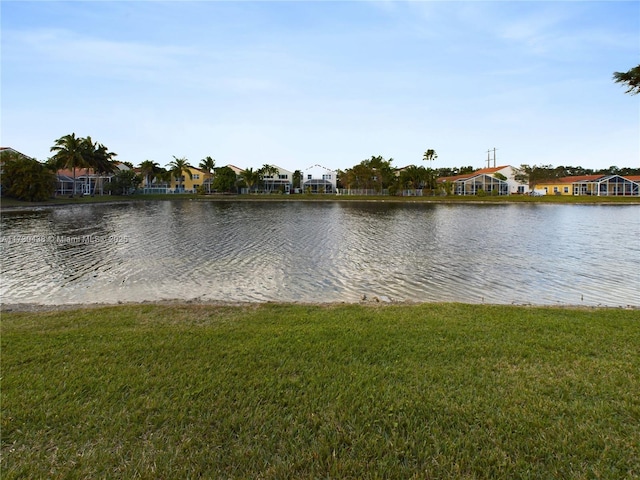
point(280, 181)
point(318, 179)
point(488, 179)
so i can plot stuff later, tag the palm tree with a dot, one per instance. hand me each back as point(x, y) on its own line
point(631, 79)
point(208, 164)
point(429, 156)
point(250, 177)
point(178, 167)
point(100, 159)
point(297, 179)
point(70, 153)
point(268, 171)
point(413, 177)
point(149, 168)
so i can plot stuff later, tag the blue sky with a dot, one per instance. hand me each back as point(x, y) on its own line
point(324, 82)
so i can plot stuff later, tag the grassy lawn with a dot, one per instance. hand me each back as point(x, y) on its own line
point(342, 391)
point(12, 203)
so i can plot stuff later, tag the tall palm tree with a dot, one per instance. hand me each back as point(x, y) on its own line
point(100, 159)
point(208, 164)
point(178, 167)
point(429, 156)
point(70, 151)
point(269, 171)
point(297, 179)
point(250, 177)
point(149, 168)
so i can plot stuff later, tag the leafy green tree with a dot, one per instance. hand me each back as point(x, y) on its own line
point(375, 173)
point(413, 177)
point(452, 172)
point(208, 164)
point(179, 166)
point(125, 182)
point(225, 179)
point(631, 79)
point(535, 174)
point(26, 179)
point(70, 152)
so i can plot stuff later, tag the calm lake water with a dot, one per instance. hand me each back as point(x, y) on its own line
point(322, 252)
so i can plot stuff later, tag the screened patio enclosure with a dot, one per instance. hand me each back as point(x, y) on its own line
point(610, 185)
point(317, 185)
point(483, 182)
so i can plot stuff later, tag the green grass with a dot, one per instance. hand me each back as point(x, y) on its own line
point(12, 203)
point(342, 391)
point(65, 200)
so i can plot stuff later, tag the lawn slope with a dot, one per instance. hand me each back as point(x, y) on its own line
point(341, 391)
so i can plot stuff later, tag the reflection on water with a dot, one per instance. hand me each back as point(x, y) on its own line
point(323, 252)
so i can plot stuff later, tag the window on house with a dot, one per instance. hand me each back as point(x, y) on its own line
point(566, 189)
point(555, 189)
point(196, 176)
point(309, 177)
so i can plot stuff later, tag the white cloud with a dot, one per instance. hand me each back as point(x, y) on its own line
point(63, 49)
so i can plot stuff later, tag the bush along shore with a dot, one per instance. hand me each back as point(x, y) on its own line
point(311, 391)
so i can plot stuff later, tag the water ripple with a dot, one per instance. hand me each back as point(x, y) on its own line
point(324, 252)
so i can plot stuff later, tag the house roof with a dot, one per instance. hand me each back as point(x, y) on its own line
point(13, 150)
point(574, 179)
point(464, 176)
point(79, 172)
point(311, 167)
point(587, 178)
point(238, 170)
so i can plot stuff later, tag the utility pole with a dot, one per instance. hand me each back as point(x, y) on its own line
point(489, 158)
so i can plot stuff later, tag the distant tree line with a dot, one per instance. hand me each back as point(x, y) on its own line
point(27, 179)
point(534, 174)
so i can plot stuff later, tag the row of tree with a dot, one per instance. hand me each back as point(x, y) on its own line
point(28, 179)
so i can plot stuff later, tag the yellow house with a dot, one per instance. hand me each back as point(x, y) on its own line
point(189, 183)
point(565, 185)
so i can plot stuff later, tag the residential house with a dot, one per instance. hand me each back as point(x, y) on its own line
point(154, 185)
point(87, 182)
point(494, 180)
point(188, 183)
point(318, 179)
point(598, 185)
point(280, 181)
